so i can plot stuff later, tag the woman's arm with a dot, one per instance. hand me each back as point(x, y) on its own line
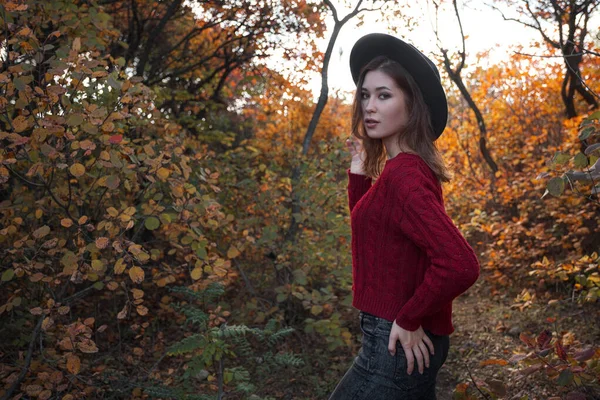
point(454, 266)
point(358, 182)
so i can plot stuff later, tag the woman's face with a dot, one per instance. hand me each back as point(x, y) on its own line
point(384, 108)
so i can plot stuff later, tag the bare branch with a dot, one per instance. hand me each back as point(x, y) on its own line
point(17, 382)
point(333, 10)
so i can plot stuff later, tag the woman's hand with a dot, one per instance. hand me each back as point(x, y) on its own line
point(355, 148)
point(415, 345)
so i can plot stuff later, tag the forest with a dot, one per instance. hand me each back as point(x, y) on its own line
point(174, 217)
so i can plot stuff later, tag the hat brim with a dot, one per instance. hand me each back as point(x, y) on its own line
point(421, 68)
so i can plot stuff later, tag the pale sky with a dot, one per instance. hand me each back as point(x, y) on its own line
point(484, 27)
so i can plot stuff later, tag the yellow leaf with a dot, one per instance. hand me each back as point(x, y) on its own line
point(112, 212)
point(73, 364)
point(141, 310)
point(137, 293)
point(97, 265)
point(77, 170)
point(66, 222)
point(38, 213)
point(82, 220)
point(47, 323)
point(112, 285)
point(77, 44)
point(136, 274)
point(119, 266)
point(233, 252)
point(41, 232)
point(196, 273)
point(163, 173)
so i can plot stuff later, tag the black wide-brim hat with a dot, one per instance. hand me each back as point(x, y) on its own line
point(421, 68)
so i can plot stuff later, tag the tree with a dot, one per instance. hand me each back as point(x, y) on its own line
point(377, 5)
point(563, 25)
point(454, 72)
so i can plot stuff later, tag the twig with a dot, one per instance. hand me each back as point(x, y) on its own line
point(25, 368)
point(474, 383)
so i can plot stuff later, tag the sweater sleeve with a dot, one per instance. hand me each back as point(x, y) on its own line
point(454, 266)
point(358, 185)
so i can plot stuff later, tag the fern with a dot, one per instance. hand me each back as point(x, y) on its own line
point(270, 327)
point(163, 392)
point(272, 339)
point(288, 360)
point(188, 345)
point(242, 346)
point(213, 291)
point(245, 387)
point(195, 316)
point(231, 331)
point(200, 397)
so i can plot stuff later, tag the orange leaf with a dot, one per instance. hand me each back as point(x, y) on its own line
point(73, 364)
point(142, 310)
point(66, 222)
point(123, 313)
point(87, 346)
point(101, 242)
point(560, 350)
point(116, 139)
point(493, 361)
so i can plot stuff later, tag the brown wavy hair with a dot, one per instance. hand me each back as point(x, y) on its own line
point(417, 136)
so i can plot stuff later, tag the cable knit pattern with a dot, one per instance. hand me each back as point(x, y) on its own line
point(409, 261)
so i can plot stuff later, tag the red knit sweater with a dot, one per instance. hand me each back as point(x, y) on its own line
point(409, 260)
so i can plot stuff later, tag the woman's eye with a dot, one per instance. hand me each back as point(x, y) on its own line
point(384, 96)
point(364, 96)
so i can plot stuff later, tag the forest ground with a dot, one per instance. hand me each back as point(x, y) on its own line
point(487, 327)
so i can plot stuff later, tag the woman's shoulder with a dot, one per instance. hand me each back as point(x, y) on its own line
point(409, 165)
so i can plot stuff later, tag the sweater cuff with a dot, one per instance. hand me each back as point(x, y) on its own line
point(406, 323)
point(359, 183)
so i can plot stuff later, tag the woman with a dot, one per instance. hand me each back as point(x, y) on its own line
point(409, 261)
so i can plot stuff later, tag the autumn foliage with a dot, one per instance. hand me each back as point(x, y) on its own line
point(146, 204)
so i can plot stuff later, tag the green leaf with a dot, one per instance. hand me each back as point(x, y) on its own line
point(8, 275)
point(113, 83)
point(581, 160)
point(75, 120)
point(565, 377)
point(556, 186)
point(561, 158)
point(98, 285)
point(201, 253)
point(586, 132)
point(595, 115)
point(19, 84)
point(300, 277)
point(152, 223)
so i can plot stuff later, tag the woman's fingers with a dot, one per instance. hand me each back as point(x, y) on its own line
point(392, 342)
point(429, 344)
point(425, 352)
point(419, 358)
point(410, 359)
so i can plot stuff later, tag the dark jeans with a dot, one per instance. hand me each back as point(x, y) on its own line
point(375, 374)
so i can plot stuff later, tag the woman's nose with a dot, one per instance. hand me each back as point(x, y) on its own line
point(370, 105)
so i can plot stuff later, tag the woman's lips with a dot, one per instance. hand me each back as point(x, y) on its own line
point(371, 123)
